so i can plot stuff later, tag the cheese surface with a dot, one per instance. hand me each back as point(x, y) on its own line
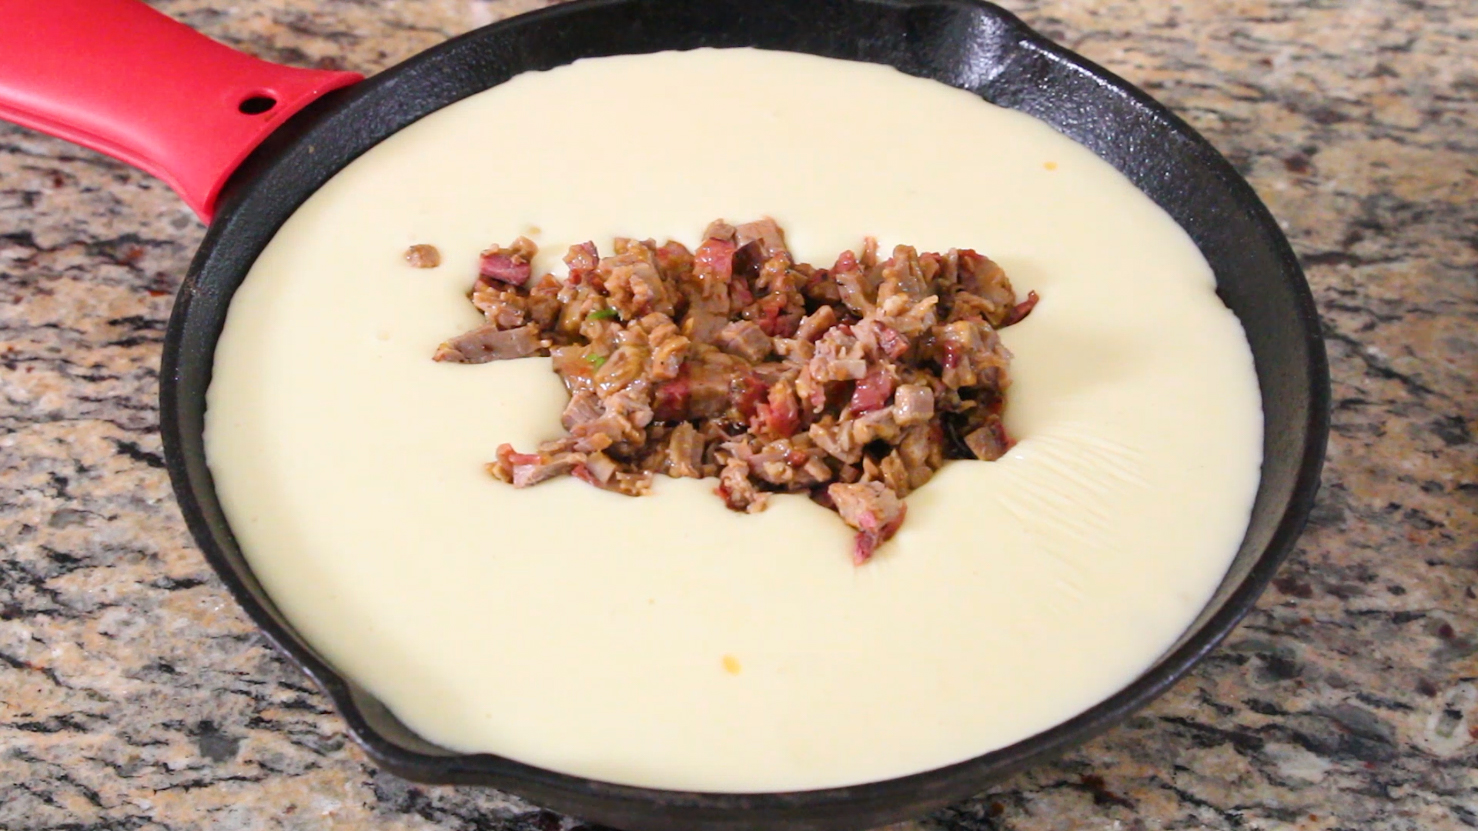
point(664, 640)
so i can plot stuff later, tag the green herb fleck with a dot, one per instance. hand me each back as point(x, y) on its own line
point(596, 361)
point(602, 314)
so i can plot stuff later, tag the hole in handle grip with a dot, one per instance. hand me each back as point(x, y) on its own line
point(256, 104)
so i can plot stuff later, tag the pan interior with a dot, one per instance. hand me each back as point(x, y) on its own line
point(1018, 594)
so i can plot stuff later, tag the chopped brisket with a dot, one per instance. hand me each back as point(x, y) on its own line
point(851, 384)
point(489, 343)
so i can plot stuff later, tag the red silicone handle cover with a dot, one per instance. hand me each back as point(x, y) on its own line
point(125, 80)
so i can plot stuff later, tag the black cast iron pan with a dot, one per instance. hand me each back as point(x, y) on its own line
point(208, 108)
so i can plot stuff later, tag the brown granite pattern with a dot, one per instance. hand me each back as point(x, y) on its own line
point(135, 695)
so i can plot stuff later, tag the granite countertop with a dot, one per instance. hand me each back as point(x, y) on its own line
point(134, 694)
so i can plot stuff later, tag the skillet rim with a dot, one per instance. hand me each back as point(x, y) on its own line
point(880, 799)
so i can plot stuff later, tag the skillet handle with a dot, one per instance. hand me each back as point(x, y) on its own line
point(127, 81)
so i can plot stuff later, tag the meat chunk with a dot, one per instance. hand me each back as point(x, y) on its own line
point(509, 265)
point(971, 354)
point(583, 407)
point(738, 491)
point(701, 326)
point(685, 453)
point(505, 269)
point(423, 256)
point(719, 230)
point(675, 262)
point(745, 340)
point(981, 276)
point(872, 392)
point(634, 284)
point(871, 508)
point(543, 302)
point(903, 275)
point(921, 450)
point(623, 422)
point(502, 307)
point(816, 324)
point(780, 415)
point(489, 343)
point(715, 259)
point(878, 425)
point(853, 287)
point(988, 442)
point(582, 260)
point(767, 234)
point(836, 439)
point(1021, 310)
point(894, 474)
point(524, 470)
point(669, 350)
point(838, 357)
point(621, 369)
point(913, 404)
point(708, 391)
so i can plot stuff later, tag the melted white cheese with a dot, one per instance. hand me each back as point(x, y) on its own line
point(599, 635)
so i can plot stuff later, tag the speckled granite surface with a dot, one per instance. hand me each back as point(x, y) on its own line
point(134, 694)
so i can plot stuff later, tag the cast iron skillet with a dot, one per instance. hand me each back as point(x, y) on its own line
point(965, 43)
